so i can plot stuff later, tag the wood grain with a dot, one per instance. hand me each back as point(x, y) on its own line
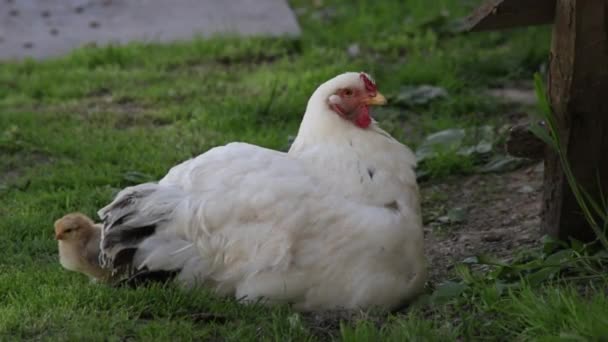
point(501, 14)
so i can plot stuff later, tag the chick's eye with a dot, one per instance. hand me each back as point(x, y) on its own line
point(348, 92)
point(68, 230)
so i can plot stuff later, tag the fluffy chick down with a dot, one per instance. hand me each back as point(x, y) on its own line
point(78, 239)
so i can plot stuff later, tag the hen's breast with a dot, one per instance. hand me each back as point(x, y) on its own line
point(365, 174)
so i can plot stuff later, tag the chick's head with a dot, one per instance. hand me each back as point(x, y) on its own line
point(73, 227)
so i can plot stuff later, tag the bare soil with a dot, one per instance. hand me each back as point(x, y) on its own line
point(501, 215)
point(16, 164)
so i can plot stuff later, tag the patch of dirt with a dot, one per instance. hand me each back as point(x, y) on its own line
point(501, 215)
point(103, 108)
point(255, 59)
point(126, 111)
point(15, 165)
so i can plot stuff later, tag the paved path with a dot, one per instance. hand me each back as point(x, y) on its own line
point(47, 28)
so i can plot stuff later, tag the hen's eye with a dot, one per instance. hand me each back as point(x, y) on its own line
point(348, 92)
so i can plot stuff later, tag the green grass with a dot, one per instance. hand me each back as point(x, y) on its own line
point(548, 314)
point(76, 129)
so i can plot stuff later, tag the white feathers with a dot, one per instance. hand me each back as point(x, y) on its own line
point(333, 223)
point(334, 99)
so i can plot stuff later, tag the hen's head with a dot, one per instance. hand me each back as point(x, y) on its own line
point(349, 96)
point(74, 226)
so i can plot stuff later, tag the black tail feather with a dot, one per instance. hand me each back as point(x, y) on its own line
point(144, 276)
point(135, 214)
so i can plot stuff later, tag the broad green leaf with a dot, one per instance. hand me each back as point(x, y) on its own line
point(471, 260)
point(560, 256)
point(577, 245)
point(418, 95)
point(464, 272)
point(442, 140)
point(550, 244)
point(447, 291)
point(502, 163)
point(542, 275)
point(486, 259)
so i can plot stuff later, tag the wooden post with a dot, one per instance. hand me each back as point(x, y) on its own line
point(578, 90)
point(501, 14)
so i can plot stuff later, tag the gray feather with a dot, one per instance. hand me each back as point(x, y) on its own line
point(135, 214)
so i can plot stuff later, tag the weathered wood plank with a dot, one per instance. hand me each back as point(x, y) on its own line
point(499, 14)
point(578, 89)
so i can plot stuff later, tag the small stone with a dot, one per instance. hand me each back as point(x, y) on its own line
point(93, 24)
point(28, 45)
point(492, 237)
point(78, 9)
point(465, 238)
point(13, 13)
point(526, 189)
point(353, 50)
point(45, 14)
point(54, 31)
point(443, 219)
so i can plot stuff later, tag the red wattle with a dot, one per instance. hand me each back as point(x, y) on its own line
point(363, 119)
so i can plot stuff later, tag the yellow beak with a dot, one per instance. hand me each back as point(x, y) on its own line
point(377, 100)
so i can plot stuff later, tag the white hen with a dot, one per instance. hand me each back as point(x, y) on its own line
point(335, 222)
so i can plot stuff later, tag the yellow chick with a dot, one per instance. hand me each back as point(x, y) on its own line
point(78, 238)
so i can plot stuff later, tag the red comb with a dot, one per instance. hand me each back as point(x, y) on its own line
point(369, 84)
